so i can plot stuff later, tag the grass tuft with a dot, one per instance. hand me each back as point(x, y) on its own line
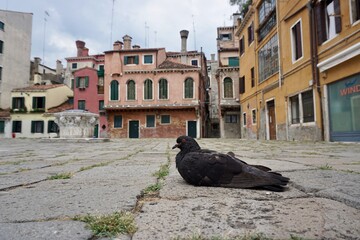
point(110, 225)
point(162, 172)
point(66, 175)
point(326, 167)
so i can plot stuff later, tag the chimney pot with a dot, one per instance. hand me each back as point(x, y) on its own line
point(80, 45)
point(127, 42)
point(118, 45)
point(184, 35)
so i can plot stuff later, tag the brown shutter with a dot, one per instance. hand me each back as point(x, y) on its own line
point(242, 85)
point(337, 16)
point(320, 23)
point(298, 41)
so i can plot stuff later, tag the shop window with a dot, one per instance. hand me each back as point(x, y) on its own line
point(118, 121)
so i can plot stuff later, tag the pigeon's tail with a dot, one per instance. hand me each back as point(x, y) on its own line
point(274, 188)
point(281, 181)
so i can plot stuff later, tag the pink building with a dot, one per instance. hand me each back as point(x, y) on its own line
point(85, 75)
point(153, 93)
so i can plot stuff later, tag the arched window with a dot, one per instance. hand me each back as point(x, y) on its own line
point(114, 90)
point(228, 88)
point(131, 90)
point(148, 89)
point(189, 88)
point(163, 89)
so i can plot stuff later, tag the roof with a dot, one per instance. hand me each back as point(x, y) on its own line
point(62, 107)
point(35, 88)
point(167, 64)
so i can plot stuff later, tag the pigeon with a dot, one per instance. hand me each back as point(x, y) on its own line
point(203, 167)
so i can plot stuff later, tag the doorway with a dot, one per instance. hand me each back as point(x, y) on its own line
point(271, 119)
point(134, 129)
point(191, 129)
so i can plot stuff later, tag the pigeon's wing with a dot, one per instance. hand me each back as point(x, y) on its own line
point(261, 167)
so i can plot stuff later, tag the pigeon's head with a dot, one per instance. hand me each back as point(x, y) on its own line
point(186, 143)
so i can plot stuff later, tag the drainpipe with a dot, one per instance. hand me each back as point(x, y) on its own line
point(315, 60)
point(278, 42)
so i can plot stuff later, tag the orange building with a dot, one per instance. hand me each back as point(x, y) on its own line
point(299, 75)
point(153, 93)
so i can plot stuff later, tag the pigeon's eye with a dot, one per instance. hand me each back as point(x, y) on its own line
point(183, 140)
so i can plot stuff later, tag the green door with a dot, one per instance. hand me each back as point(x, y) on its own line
point(134, 129)
point(192, 129)
point(96, 131)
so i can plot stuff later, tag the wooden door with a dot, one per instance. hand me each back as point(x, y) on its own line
point(134, 129)
point(272, 120)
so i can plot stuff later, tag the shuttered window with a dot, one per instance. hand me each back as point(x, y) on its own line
point(296, 38)
point(252, 77)
point(163, 89)
point(242, 45)
point(114, 90)
point(250, 33)
point(228, 88)
point(131, 60)
point(16, 126)
point(38, 103)
point(148, 89)
point(189, 88)
point(242, 85)
point(37, 126)
point(131, 90)
point(2, 126)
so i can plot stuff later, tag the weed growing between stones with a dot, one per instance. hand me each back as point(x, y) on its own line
point(326, 167)
point(109, 225)
point(66, 175)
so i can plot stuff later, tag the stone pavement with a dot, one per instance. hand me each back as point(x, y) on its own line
point(322, 201)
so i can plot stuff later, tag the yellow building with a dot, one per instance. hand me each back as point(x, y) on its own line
point(299, 61)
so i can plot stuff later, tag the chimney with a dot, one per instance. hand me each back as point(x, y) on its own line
point(213, 57)
point(59, 67)
point(184, 35)
point(118, 45)
point(136, 47)
point(127, 42)
point(85, 52)
point(80, 46)
point(37, 62)
point(236, 16)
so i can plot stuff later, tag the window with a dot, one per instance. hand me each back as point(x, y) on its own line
point(82, 82)
point(18, 103)
point(163, 89)
point(250, 32)
point(150, 121)
point(38, 103)
point(233, 61)
point(118, 121)
point(302, 108)
point(52, 127)
point(328, 19)
point(189, 88)
point(114, 90)
point(128, 60)
point(72, 83)
point(268, 59)
point(2, 126)
point(148, 59)
point(253, 115)
point(296, 41)
point(81, 104)
point(2, 26)
point(228, 88)
point(148, 89)
point(101, 104)
point(231, 118)
point(267, 18)
point(252, 77)
point(244, 119)
point(1, 47)
point(242, 45)
point(194, 62)
point(37, 126)
point(74, 65)
point(242, 85)
point(0, 73)
point(16, 126)
point(354, 10)
point(165, 119)
point(131, 90)
point(225, 36)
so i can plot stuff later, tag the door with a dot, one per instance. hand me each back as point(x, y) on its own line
point(272, 120)
point(134, 129)
point(191, 131)
point(96, 131)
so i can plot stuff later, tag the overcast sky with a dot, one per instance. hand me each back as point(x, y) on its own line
point(150, 23)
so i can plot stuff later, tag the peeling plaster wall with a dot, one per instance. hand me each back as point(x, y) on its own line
point(307, 133)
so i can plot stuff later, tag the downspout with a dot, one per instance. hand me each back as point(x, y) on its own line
point(278, 42)
point(315, 60)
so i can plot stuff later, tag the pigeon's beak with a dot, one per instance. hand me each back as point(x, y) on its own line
point(175, 146)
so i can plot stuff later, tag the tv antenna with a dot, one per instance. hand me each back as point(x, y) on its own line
point(194, 32)
point(46, 14)
point(111, 24)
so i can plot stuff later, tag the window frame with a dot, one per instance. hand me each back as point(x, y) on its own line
point(148, 90)
point(74, 66)
point(147, 121)
point(250, 32)
point(37, 104)
point(231, 118)
point(16, 126)
point(187, 82)
point(2, 26)
point(225, 86)
point(296, 41)
point(162, 119)
point(297, 106)
point(355, 8)
point(37, 126)
point(2, 126)
point(101, 105)
point(18, 101)
point(270, 65)
point(119, 123)
point(242, 45)
point(193, 61)
point(129, 89)
point(114, 90)
point(163, 89)
point(81, 102)
point(131, 60)
point(1, 47)
point(145, 61)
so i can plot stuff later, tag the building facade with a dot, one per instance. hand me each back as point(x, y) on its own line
point(151, 93)
point(30, 115)
point(15, 50)
point(297, 74)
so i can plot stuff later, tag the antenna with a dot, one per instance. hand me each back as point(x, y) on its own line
point(46, 13)
point(155, 33)
point(194, 32)
point(111, 24)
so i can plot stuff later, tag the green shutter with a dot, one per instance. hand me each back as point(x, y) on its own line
point(125, 60)
point(42, 126)
point(33, 102)
point(43, 102)
point(136, 59)
point(49, 127)
point(32, 126)
point(77, 82)
point(2, 126)
point(86, 81)
point(13, 103)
